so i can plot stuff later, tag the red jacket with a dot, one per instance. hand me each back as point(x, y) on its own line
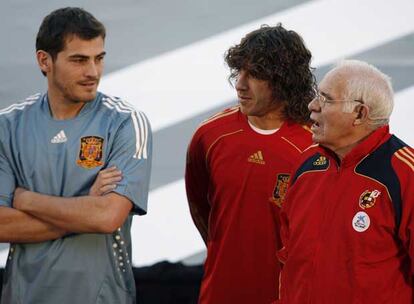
point(347, 227)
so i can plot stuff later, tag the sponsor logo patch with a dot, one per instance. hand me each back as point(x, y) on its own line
point(367, 198)
point(90, 153)
point(279, 192)
point(361, 221)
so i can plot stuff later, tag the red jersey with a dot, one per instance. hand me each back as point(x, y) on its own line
point(347, 227)
point(235, 178)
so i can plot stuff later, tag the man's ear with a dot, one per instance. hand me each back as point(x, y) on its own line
point(361, 114)
point(44, 60)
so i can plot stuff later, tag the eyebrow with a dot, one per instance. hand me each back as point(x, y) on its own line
point(85, 57)
point(326, 95)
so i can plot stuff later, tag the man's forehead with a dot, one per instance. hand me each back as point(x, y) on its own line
point(74, 43)
point(334, 82)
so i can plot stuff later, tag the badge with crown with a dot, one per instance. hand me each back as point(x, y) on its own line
point(90, 153)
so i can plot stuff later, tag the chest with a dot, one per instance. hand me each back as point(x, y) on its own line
point(331, 206)
point(258, 165)
point(54, 157)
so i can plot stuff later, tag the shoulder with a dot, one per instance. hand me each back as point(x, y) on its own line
point(297, 136)
point(13, 114)
point(392, 152)
point(225, 122)
point(312, 160)
point(402, 154)
point(122, 110)
point(18, 108)
point(397, 161)
point(220, 119)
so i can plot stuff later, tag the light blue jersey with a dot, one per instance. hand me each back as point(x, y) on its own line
point(62, 158)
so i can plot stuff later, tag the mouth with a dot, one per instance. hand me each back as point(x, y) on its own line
point(243, 99)
point(88, 84)
point(315, 123)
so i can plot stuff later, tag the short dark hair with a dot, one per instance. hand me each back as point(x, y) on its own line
point(279, 56)
point(64, 22)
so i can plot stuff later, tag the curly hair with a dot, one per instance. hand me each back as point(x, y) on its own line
point(279, 56)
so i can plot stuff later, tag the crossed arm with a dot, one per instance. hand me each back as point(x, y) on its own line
point(19, 227)
point(94, 214)
point(37, 217)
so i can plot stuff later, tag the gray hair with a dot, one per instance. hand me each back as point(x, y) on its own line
point(365, 82)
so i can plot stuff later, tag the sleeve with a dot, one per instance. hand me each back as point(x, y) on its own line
point(403, 163)
point(131, 152)
point(284, 235)
point(283, 252)
point(7, 182)
point(197, 185)
point(7, 177)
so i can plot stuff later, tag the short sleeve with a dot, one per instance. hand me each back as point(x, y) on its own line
point(131, 152)
point(7, 179)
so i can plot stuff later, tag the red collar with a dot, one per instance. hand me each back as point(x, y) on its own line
point(364, 148)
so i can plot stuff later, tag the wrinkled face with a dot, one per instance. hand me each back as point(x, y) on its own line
point(255, 96)
point(75, 73)
point(332, 128)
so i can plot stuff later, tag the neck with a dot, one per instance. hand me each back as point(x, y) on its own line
point(62, 109)
point(342, 151)
point(266, 122)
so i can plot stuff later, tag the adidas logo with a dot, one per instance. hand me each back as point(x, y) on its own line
point(321, 161)
point(256, 158)
point(59, 138)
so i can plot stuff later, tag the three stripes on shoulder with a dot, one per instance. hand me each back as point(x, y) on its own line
point(139, 120)
point(406, 155)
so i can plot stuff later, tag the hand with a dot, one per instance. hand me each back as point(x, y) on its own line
point(21, 196)
point(106, 181)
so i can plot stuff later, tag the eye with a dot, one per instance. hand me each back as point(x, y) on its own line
point(79, 60)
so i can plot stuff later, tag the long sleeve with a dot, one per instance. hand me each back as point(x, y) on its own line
point(197, 185)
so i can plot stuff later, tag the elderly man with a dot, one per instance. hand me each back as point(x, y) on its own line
point(348, 217)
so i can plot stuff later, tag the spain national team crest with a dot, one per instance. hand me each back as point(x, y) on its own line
point(368, 198)
point(279, 192)
point(90, 154)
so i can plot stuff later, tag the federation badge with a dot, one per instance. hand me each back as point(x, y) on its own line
point(361, 221)
point(90, 154)
point(367, 198)
point(279, 192)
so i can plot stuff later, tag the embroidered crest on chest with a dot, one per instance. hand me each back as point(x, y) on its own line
point(90, 152)
point(368, 198)
point(279, 192)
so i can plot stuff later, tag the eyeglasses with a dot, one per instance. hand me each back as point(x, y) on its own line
point(323, 100)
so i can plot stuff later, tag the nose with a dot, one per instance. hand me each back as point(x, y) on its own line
point(241, 83)
point(314, 105)
point(92, 70)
